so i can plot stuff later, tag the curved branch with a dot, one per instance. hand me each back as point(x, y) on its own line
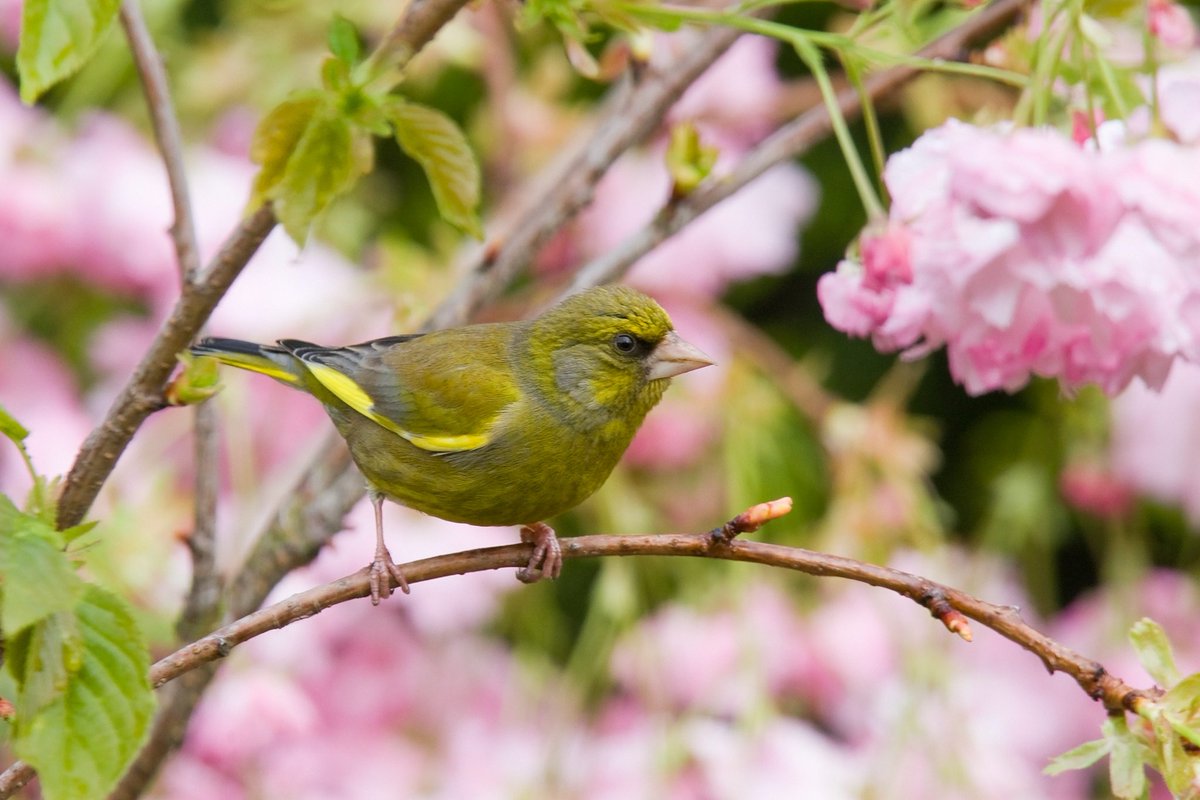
point(942, 600)
point(947, 604)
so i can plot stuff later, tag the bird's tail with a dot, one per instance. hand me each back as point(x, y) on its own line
point(272, 361)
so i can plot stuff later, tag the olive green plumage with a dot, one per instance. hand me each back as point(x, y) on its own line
point(495, 424)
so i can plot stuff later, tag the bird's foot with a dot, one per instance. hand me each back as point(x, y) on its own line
point(383, 571)
point(547, 559)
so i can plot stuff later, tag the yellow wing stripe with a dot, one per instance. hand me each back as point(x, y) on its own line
point(350, 393)
point(255, 364)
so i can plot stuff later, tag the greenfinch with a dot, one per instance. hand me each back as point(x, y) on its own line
point(506, 423)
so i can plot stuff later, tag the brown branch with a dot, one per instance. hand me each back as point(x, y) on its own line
point(945, 602)
point(951, 606)
point(788, 142)
point(166, 132)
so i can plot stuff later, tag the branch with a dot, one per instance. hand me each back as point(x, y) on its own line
point(166, 131)
point(788, 142)
point(950, 606)
point(947, 604)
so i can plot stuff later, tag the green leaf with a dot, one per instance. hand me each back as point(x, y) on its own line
point(1080, 757)
point(335, 74)
point(11, 428)
point(1154, 651)
point(309, 154)
point(57, 37)
point(1125, 764)
point(82, 742)
point(41, 659)
point(435, 142)
point(324, 164)
point(275, 139)
point(1184, 697)
point(343, 40)
point(37, 576)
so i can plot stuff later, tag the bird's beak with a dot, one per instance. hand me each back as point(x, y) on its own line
point(673, 356)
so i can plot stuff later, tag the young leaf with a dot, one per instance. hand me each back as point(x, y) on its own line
point(1154, 651)
point(1184, 697)
point(57, 37)
point(324, 164)
point(433, 140)
point(343, 40)
point(82, 741)
point(37, 577)
point(11, 428)
point(1080, 757)
point(276, 139)
point(1126, 769)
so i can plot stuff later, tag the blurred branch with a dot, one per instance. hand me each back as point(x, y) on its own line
point(790, 141)
point(166, 131)
point(634, 109)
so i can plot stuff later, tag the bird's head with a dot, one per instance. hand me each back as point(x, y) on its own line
point(608, 353)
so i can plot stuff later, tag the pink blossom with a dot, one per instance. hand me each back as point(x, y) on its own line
point(1171, 24)
point(43, 397)
point(1020, 246)
point(1094, 489)
point(738, 96)
point(10, 24)
point(1179, 99)
point(752, 233)
point(1156, 440)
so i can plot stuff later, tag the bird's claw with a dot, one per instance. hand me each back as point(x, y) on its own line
point(383, 571)
point(547, 559)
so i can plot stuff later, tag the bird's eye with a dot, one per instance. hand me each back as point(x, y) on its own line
point(625, 343)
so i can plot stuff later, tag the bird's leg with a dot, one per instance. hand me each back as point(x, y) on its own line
point(383, 566)
point(547, 553)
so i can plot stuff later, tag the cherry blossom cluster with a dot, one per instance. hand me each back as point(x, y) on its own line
point(1025, 254)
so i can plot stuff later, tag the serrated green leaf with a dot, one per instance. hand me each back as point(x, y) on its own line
point(82, 742)
point(11, 428)
point(41, 659)
point(275, 139)
point(1154, 651)
point(37, 577)
point(1126, 771)
point(57, 37)
point(1080, 757)
point(435, 142)
point(1184, 697)
point(324, 165)
point(343, 40)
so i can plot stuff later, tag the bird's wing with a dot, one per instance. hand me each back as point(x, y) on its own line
point(443, 392)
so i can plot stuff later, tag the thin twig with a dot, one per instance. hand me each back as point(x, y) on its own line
point(947, 604)
point(788, 142)
point(1091, 676)
point(166, 132)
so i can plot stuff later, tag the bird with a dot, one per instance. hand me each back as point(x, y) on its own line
point(501, 423)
